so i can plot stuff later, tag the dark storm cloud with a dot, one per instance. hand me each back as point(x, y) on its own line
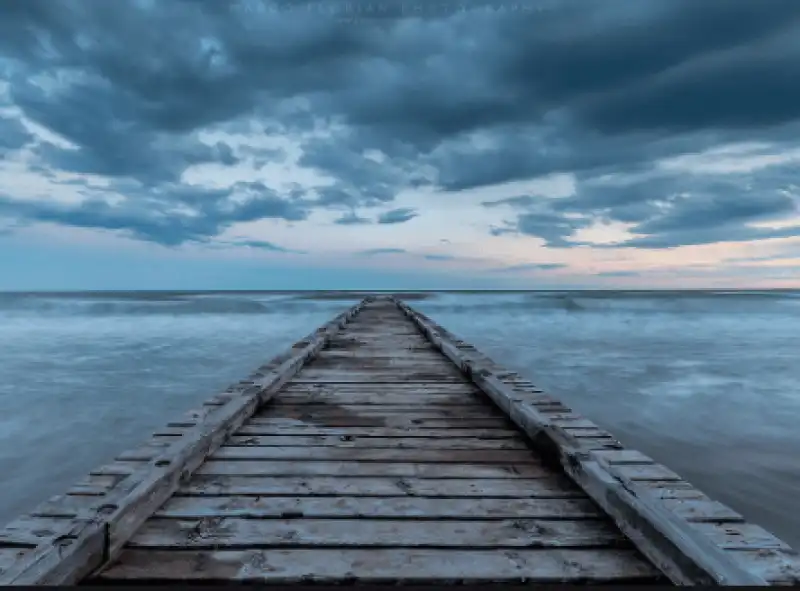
point(169, 216)
point(571, 86)
point(397, 216)
point(664, 210)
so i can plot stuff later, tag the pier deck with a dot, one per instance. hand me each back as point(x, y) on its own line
point(383, 449)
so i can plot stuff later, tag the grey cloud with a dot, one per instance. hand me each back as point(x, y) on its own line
point(440, 257)
point(351, 219)
point(530, 267)
point(169, 216)
point(664, 209)
point(264, 245)
point(569, 86)
point(397, 216)
point(618, 274)
point(380, 251)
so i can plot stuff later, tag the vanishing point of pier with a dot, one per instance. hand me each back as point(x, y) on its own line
point(383, 449)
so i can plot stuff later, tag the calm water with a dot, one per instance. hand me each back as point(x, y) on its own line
point(708, 384)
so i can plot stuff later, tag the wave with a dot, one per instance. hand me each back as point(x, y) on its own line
point(687, 302)
point(128, 305)
point(569, 302)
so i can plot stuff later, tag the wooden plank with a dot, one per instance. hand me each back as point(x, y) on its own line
point(26, 532)
point(345, 468)
point(551, 487)
point(375, 377)
point(255, 428)
point(388, 421)
point(380, 400)
point(374, 442)
point(778, 567)
point(698, 510)
point(655, 472)
point(11, 556)
point(343, 411)
point(376, 565)
point(439, 456)
point(741, 536)
point(377, 507)
point(100, 529)
point(683, 552)
point(238, 448)
point(242, 534)
point(621, 456)
point(397, 388)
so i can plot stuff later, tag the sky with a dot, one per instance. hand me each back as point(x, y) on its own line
point(379, 144)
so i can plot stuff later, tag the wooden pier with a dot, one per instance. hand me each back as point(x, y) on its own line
point(382, 449)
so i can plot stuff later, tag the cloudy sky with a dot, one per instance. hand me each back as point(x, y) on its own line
point(209, 144)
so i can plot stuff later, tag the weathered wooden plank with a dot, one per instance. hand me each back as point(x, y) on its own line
point(416, 455)
point(374, 442)
point(385, 421)
point(675, 545)
point(375, 377)
point(375, 399)
point(621, 456)
point(11, 556)
point(410, 412)
point(655, 472)
point(376, 565)
point(236, 533)
point(100, 529)
point(778, 567)
point(29, 530)
point(345, 468)
point(248, 447)
point(551, 487)
point(378, 507)
point(574, 423)
point(741, 536)
point(388, 359)
point(703, 510)
point(257, 428)
point(446, 388)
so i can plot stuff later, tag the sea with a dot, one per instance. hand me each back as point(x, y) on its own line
point(706, 382)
